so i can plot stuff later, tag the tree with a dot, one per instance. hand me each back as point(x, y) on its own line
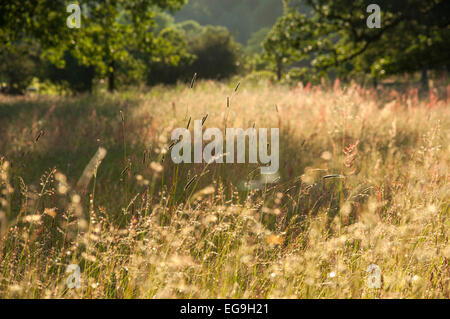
point(209, 51)
point(173, 62)
point(44, 20)
point(291, 39)
point(112, 31)
point(27, 28)
point(217, 54)
point(414, 35)
point(115, 30)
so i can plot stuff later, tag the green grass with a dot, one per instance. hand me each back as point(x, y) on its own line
point(146, 228)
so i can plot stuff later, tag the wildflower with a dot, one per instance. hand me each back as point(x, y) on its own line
point(32, 218)
point(156, 167)
point(274, 240)
point(50, 212)
point(326, 156)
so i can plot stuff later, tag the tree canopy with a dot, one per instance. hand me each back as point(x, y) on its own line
point(334, 35)
point(112, 31)
point(152, 41)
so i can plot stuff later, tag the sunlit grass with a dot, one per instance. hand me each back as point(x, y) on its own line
point(364, 180)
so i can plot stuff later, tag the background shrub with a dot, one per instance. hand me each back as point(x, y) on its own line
point(18, 66)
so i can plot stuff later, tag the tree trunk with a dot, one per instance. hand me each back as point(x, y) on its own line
point(279, 69)
point(424, 79)
point(111, 79)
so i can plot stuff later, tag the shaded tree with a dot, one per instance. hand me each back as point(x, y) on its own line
point(78, 77)
point(112, 32)
point(414, 35)
point(18, 65)
point(209, 51)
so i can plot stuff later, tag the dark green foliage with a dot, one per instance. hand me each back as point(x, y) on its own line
point(160, 70)
point(216, 54)
point(79, 78)
point(290, 40)
point(40, 19)
point(123, 42)
point(18, 65)
point(414, 35)
point(211, 53)
point(114, 34)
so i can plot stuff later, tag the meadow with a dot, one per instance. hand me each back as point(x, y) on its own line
point(363, 180)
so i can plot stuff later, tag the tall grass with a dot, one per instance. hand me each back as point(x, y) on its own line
point(364, 179)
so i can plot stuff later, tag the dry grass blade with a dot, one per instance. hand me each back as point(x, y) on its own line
point(91, 169)
point(193, 80)
point(189, 123)
point(190, 182)
point(333, 176)
point(204, 119)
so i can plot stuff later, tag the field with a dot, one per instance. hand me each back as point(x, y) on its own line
point(363, 180)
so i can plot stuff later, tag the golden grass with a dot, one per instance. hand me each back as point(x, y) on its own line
point(364, 180)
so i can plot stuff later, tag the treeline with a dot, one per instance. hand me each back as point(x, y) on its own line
point(241, 17)
point(209, 51)
point(123, 42)
point(119, 43)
